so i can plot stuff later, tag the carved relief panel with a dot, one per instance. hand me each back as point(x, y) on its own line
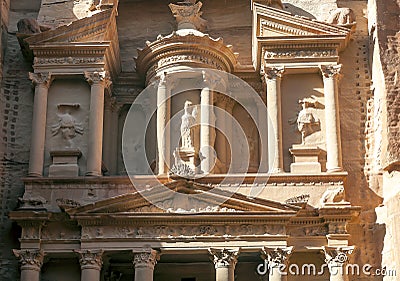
point(67, 120)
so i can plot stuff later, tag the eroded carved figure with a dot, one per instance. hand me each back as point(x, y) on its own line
point(342, 16)
point(334, 195)
point(307, 121)
point(67, 124)
point(187, 125)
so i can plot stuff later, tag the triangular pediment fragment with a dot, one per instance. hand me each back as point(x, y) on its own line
point(183, 196)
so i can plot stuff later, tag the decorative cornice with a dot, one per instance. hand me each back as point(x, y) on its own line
point(30, 259)
point(224, 257)
point(145, 258)
point(90, 259)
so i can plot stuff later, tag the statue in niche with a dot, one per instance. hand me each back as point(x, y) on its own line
point(187, 126)
point(307, 122)
point(67, 125)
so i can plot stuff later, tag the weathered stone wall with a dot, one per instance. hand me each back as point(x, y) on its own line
point(16, 98)
point(384, 29)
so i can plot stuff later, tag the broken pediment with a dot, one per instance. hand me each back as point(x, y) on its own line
point(87, 43)
point(279, 36)
point(183, 196)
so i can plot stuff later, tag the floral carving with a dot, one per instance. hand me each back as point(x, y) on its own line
point(337, 255)
point(330, 71)
point(273, 73)
point(188, 15)
point(43, 79)
point(97, 77)
point(90, 258)
point(277, 256)
point(30, 258)
point(146, 258)
point(224, 257)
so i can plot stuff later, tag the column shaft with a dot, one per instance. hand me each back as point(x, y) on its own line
point(275, 151)
point(332, 132)
point(98, 82)
point(36, 157)
point(163, 114)
point(225, 273)
point(110, 147)
point(263, 145)
point(206, 131)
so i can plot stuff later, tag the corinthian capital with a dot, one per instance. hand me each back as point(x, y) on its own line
point(30, 258)
point(41, 78)
point(337, 255)
point(90, 258)
point(330, 71)
point(272, 73)
point(145, 258)
point(279, 255)
point(224, 257)
point(98, 77)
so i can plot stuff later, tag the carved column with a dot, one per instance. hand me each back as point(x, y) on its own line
point(144, 262)
point(91, 262)
point(330, 74)
point(31, 262)
point(273, 77)
point(229, 131)
point(42, 83)
point(110, 147)
point(262, 116)
point(163, 134)
point(336, 258)
point(278, 261)
point(224, 261)
point(221, 123)
point(98, 82)
point(207, 134)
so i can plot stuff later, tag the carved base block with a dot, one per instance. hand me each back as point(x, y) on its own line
point(65, 163)
point(305, 159)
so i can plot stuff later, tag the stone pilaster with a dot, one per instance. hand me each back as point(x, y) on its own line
point(273, 76)
point(278, 261)
point(336, 258)
point(224, 261)
point(31, 262)
point(42, 83)
point(163, 116)
point(91, 262)
point(98, 82)
point(144, 261)
point(330, 74)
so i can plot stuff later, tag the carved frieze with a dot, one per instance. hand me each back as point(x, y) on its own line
point(67, 60)
point(188, 231)
point(288, 54)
